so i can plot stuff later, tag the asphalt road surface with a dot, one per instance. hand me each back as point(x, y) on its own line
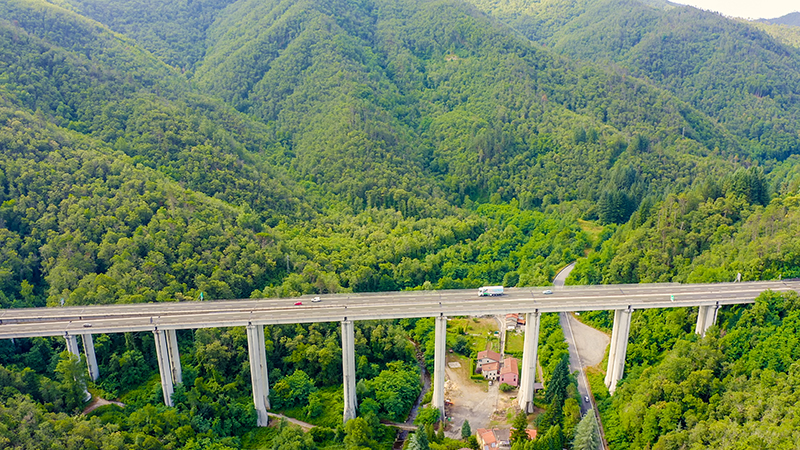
point(29, 322)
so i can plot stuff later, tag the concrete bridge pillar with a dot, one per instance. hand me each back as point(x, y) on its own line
point(619, 346)
point(612, 351)
point(174, 356)
point(349, 370)
point(439, 357)
point(91, 359)
point(164, 365)
point(72, 347)
point(259, 377)
point(706, 318)
point(529, 358)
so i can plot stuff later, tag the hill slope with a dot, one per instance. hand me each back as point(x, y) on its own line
point(732, 72)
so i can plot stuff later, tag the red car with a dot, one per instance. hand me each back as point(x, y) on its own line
point(298, 303)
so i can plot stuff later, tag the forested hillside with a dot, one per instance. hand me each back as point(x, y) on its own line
point(726, 69)
point(156, 151)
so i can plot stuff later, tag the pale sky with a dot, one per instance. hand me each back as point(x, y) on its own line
point(747, 9)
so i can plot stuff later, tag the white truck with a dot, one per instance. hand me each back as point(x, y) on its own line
point(490, 291)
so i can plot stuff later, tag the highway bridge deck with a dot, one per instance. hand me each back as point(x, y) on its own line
point(59, 321)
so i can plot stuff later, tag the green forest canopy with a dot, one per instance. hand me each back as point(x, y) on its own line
point(155, 150)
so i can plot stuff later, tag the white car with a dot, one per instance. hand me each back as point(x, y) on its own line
point(316, 300)
point(547, 292)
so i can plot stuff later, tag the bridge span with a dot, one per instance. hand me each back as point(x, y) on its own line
point(163, 319)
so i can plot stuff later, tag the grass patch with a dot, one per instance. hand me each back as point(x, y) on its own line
point(332, 398)
point(479, 331)
point(591, 228)
point(514, 342)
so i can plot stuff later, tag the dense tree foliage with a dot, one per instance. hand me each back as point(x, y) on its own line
point(705, 391)
point(727, 69)
point(157, 150)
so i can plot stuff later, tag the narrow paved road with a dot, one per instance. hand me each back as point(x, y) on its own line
point(304, 425)
point(590, 342)
point(575, 362)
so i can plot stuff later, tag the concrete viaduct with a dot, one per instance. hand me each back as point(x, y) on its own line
point(163, 319)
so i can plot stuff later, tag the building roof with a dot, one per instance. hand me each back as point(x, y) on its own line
point(489, 354)
point(489, 367)
point(502, 434)
point(531, 433)
point(509, 366)
point(487, 436)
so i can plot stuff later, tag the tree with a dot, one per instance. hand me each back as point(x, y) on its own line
point(292, 438)
point(518, 433)
point(419, 440)
point(72, 376)
point(292, 390)
point(587, 433)
point(553, 439)
point(466, 431)
point(571, 416)
point(359, 435)
point(427, 415)
point(557, 387)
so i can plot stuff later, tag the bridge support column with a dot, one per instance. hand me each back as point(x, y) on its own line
point(439, 357)
point(259, 377)
point(91, 359)
point(612, 351)
point(72, 347)
point(619, 346)
point(706, 318)
point(174, 356)
point(164, 366)
point(349, 370)
point(529, 358)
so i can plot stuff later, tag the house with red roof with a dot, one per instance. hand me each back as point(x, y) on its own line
point(492, 439)
point(491, 371)
point(487, 357)
point(509, 373)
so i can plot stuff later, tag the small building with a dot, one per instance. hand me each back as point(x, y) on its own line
point(511, 321)
point(491, 371)
point(509, 373)
point(493, 439)
point(515, 322)
point(486, 357)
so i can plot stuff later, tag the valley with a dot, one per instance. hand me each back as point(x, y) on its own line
point(155, 153)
